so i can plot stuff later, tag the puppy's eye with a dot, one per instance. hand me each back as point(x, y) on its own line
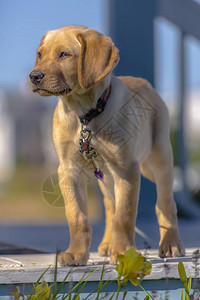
point(39, 55)
point(64, 54)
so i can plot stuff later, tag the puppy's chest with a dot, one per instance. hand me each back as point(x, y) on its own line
point(103, 146)
point(112, 136)
point(93, 153)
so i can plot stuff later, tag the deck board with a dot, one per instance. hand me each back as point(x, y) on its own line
point(15, 269)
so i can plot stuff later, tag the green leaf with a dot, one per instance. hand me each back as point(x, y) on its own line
point(182, 274)
point(124, 294)
point(148, 267)
point(186, 296)
point(137, 264)
point(80, 282)
point(182, 296)
point(36, 284)
point(43, 291)
point(134, 281)
point(132, 266)
point(189, 284)
point(119, 269)
point(100, 283)
point(146, 298)
point(123, 262)
point(61, 285)
point(183, 279)
point(133, 260)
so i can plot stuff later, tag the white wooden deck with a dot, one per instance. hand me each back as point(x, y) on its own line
point(16, 269)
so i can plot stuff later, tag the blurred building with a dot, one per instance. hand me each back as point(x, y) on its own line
point(156, 38)
point(31, 119)
point(7, 141)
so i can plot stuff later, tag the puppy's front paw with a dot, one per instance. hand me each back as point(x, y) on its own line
point(170, 245)
point(70, 259)
point(104, 249)
point(113, 259)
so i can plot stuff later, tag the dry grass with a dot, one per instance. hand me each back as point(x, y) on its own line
point(22, 200)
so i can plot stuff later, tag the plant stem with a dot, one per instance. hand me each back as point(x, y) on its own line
point(118, 290)
point(146, 292)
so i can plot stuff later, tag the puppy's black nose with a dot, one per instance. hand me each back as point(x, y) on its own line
point(36, 76)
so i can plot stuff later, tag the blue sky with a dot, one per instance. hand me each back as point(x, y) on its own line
point(24, 22)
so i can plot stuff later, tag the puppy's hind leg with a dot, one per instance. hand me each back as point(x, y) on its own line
point(107, 189)
point(161, 165)
point(146, 172)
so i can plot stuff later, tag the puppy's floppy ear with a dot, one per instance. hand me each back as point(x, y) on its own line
point(97, 58)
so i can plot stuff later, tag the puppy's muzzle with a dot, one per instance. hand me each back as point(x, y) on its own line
point(36, 77)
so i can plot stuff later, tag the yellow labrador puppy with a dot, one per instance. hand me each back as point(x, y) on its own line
point(112, 127)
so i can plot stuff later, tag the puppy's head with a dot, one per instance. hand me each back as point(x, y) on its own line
point(71, 58)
